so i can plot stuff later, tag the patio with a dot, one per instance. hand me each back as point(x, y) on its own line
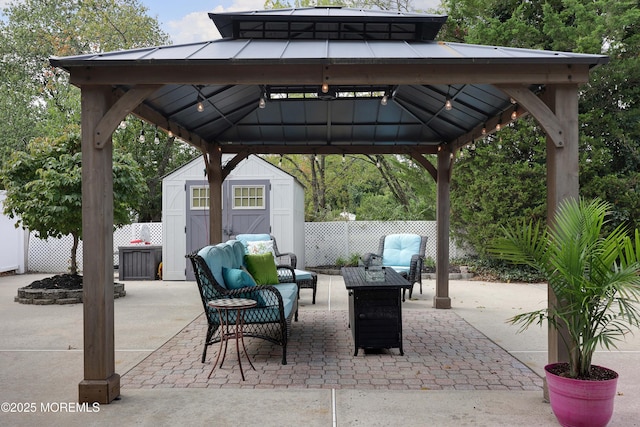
point(442, 352)
point(37, 362)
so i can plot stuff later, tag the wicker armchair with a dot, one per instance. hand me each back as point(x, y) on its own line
point(277, 304)
point(405, 254)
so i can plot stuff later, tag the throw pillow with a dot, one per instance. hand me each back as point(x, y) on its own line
point(236, 278)
point(262, 268)
point(259, 247)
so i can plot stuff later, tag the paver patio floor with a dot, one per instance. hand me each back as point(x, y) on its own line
point(441, 352)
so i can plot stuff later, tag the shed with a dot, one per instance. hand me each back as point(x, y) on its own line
point(257, 197)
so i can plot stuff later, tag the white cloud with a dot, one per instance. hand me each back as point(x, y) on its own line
point(194, 27)
point(197, 26)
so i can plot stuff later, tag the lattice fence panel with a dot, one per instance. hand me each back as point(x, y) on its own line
point(324, 242)
point(327, 241)
point(54, 255)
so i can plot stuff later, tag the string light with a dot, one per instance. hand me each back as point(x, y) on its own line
point(447, 104)
point(384, 99)
point(200, 106)
point(262, 103)
point(325, 87)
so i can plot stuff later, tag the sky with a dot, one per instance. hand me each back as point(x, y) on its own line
point(187, 21)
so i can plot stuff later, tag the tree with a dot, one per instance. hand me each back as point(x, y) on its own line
point(42, 103)
point(44, 188)
point(609, 106)
point(156, 155)
point(497, 181)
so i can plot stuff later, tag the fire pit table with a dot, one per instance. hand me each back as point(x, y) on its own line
point(375, 308)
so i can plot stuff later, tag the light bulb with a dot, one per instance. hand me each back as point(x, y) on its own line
point(262, 102)
point(514, 115)
point(325, 87)
point(484, 130)
point(200, 107)
point(498, 126)
point(448, 105)
point(384, 100)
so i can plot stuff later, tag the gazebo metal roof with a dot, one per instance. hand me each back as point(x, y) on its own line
point(323, 77)
point(297, 115)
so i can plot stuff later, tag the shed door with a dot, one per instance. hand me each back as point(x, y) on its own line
point(246, 205)
point(245, 209)
point(197, 217)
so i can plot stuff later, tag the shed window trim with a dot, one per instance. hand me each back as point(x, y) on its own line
point(199, 197)
point(248, 197)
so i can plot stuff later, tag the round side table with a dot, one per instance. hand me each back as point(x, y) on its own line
point(232, 328)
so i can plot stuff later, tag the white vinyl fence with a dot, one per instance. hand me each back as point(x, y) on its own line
point(12, 242)
point(54, 255)
point(325, 242)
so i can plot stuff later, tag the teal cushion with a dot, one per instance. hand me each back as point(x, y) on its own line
point(236, 278)
point(399, 248)
point(302, 274)
point(262, 268)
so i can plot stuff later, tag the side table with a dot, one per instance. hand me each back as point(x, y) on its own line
point(228, 309)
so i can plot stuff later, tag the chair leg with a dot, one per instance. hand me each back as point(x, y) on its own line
point(207, 342)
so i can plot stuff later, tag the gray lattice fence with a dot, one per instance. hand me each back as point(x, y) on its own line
point(327, 241)
point(53, 255)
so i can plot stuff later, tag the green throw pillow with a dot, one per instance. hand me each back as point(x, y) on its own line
point(262, 268)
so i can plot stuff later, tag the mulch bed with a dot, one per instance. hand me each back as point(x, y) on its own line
point(61, 281)
point(59, 289)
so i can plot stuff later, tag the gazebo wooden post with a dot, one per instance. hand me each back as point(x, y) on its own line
point(213, 162)
point(562, 179)
point(101, 383)
point(442, 299)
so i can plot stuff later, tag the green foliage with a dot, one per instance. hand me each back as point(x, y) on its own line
point(351, 261)
point(496, 182)
point(503, 271)
point(41, 102)
point(594, 276)
point(609, 109)
point(44, 187)
point(354, 259)
point(156, 155)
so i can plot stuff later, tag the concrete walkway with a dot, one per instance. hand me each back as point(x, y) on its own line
point(158, 329)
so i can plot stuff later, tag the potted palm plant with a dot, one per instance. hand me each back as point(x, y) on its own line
point(595, 278)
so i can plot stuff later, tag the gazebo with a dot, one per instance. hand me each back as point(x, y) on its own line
point(325, 80)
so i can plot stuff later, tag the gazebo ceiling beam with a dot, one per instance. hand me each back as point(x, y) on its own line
point(334, 74)
point(329, 149)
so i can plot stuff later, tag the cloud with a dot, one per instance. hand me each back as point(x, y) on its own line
point(197, 26)
point(194, 27)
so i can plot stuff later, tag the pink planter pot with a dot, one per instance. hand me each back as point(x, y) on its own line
point(580, 403)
